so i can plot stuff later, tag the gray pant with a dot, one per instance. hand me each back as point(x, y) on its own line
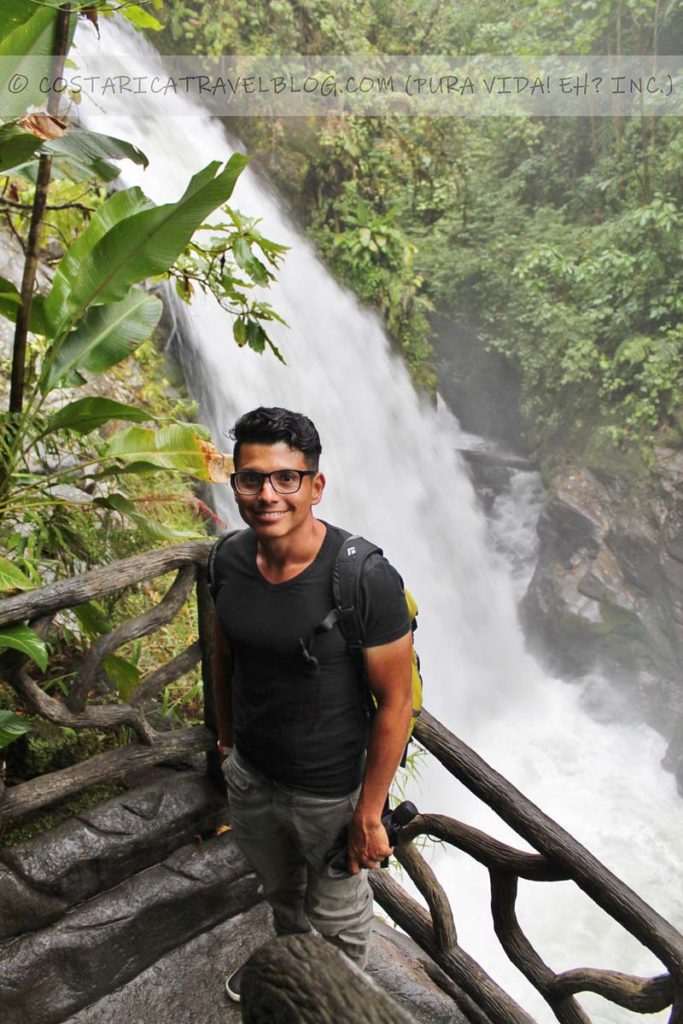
point(285, 833)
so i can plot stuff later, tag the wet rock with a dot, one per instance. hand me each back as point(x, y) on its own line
point(103, 846)
point(480, 386)
point(491, 471)
point(96, 947)
point(186, 985)
point(400, 967)
point(608, 588)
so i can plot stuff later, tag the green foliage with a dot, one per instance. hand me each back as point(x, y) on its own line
point(12, 727)
point(12, 578)
point(106, 335)
point(26, 641)
point(72, 481)
point(87, 414)
point(233, 260)
point(360, 233)
point(557, 241)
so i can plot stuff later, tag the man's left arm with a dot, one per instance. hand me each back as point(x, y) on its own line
point(388, 671)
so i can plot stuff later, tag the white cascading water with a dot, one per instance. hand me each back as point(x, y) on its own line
point(394, 475)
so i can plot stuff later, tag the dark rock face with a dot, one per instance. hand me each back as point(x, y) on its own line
point(97, 929)
point(40, 880)
point(47, 975)
point(608, 588)
point(479, 386)
point(412, 978)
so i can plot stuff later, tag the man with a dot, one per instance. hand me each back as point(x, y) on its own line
point(308, 759)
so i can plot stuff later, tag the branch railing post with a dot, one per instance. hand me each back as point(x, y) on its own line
point(205, 618)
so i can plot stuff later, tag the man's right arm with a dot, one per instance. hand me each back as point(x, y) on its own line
point(222, 685)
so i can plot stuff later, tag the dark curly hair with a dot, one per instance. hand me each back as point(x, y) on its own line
point(268, 426)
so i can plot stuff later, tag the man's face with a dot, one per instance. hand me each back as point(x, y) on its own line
point(268, 513)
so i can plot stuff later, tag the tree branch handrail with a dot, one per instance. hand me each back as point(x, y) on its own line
point(101, 582)
point(551, 840)
point(40, 606)
point(560, 857)
point(143, 624)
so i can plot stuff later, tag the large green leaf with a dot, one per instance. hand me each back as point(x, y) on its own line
point(15, 13)
point(80, 154)
point(179, 448)
point(10, 300)
point(12, 727)
point(87, 146)
point(12, 578)
point(88, 414)
point(26, 56)
point(22, 638)
point(117, 207)
point(132, 469)
point(156, 531)
point(105, 336)
point(16, 147)
point(148, 242)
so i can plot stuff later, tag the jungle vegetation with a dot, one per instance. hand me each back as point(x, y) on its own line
point(97, 458)
point(557, 241)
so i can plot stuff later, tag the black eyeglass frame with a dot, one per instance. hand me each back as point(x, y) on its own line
point(269, 477)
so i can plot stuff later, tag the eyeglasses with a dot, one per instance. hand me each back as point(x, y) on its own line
point(283, 481)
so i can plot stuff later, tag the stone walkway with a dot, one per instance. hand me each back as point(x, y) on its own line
point(186, 985)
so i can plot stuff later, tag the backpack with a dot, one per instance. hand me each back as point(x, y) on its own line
point(346, 580)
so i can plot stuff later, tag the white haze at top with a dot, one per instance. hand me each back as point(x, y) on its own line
point(394, 476)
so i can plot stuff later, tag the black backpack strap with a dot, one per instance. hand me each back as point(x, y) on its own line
point(213, 553)
point(346, 577)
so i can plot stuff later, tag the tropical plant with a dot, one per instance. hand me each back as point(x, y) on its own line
point(65, 459)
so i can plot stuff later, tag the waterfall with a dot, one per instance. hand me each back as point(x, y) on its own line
point(394, 475)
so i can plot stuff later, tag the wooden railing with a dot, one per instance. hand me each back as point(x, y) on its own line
point(559, 856)
point(39, 608)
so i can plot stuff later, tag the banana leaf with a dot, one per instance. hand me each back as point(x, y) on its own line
point(12, 578)
point(26, 54)
point(156, 531)
point(144, 244)
point(12, 727)
point(88, 414)
point(178, 448)
point(118, 207)
point(105, 336)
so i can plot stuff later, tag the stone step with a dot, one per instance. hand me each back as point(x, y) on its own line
point(186, 986)
point(42, 879)
point(49, 974)
point(127, 913)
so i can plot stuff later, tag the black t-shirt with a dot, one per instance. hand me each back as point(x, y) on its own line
point(305, 730)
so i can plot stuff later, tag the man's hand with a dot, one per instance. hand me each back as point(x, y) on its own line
point(368, 844)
